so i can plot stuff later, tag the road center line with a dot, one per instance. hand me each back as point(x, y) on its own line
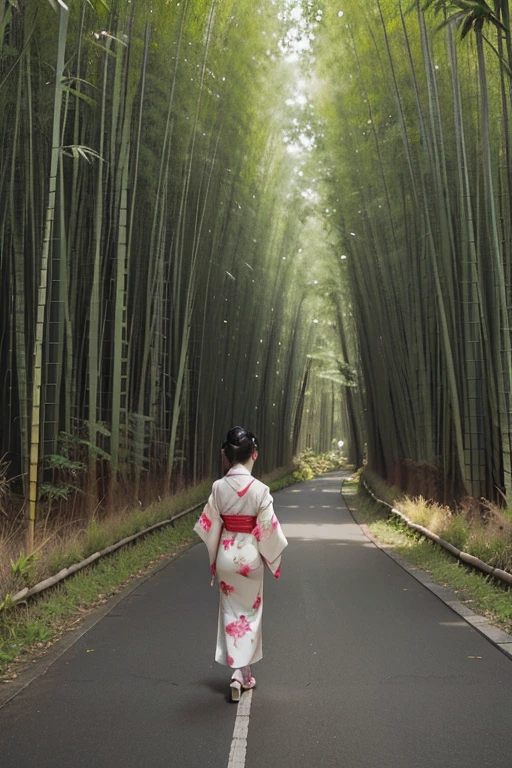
point(240, 731)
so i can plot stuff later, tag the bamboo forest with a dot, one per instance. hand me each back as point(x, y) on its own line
point(286, 214)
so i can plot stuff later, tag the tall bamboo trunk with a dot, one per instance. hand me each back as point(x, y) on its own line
point(43, 281)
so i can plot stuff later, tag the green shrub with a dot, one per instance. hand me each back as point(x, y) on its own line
point(308, 464)
point(25, 568)
point(303, 474)
point(282, 482)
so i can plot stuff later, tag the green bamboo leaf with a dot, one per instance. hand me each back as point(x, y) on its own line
point(466, 27)
point(96, 451)
point(93, 41)
point(99, 5)
point(56, 461)
point(80, 95)
point(108, 36)
point(52, 492)
point(79, 151)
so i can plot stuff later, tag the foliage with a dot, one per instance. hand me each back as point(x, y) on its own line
point(24, 568)
point(308, 465)
point(65, 470)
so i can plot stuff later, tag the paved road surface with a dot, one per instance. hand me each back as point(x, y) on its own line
point(363, 668)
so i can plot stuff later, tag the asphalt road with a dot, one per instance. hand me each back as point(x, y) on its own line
point(363, 668)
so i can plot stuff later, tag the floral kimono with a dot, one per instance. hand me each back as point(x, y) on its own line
point(242, 533)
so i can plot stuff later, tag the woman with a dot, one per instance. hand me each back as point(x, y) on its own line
point(242, 533)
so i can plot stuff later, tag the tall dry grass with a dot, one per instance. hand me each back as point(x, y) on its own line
point(482, 531)
point(61, 542)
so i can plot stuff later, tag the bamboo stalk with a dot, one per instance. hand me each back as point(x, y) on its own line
point(41, 307)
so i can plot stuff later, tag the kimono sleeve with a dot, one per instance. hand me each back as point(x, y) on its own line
point(209, 527)
point(269, 534)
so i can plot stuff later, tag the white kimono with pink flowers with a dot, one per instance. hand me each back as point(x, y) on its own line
point(238, 559)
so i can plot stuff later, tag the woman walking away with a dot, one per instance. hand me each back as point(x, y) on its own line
point(242, 533)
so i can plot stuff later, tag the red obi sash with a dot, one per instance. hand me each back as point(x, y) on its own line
point(239, 523)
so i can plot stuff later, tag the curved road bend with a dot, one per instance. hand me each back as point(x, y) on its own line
point(363, 668)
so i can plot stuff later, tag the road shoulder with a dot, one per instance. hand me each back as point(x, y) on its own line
point(483, 624)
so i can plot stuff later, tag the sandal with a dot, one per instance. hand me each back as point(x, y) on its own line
point(249, 683)
point(236, 690)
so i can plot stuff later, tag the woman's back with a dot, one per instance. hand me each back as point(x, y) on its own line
point(238, 493)
point(242, 533)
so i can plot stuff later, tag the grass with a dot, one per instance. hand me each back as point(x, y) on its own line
point(31, 628)
point(481, 593)
point(479, 528)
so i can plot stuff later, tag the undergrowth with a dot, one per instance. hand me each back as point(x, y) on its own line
point(67, 545)
point(308, 465)
point(481, 530)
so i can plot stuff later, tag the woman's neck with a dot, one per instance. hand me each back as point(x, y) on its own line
point(249, 464)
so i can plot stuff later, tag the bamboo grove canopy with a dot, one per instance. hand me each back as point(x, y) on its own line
point(177, 210)
point(415, 100)
point(152, 285)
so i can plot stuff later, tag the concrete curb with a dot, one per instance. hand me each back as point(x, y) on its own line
point(496, 636)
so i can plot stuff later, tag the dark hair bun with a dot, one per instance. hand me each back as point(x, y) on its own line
point(239, 445)
point(236, 435)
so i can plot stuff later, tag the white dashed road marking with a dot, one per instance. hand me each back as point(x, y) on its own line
point(240, 731)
